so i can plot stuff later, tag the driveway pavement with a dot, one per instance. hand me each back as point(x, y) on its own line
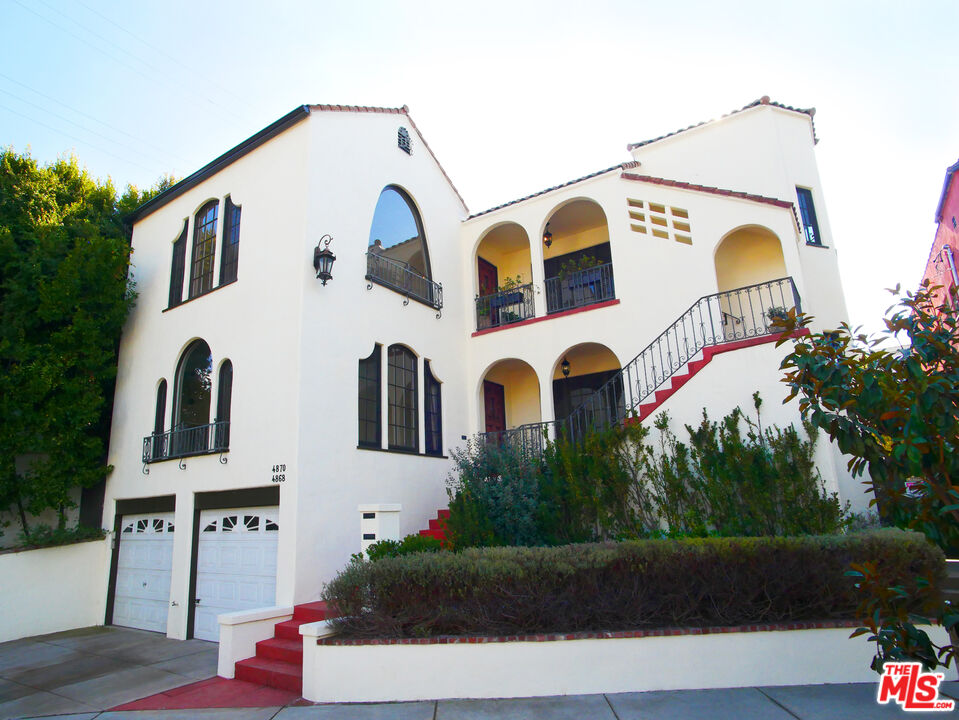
point(78, 674)
point(91, 669)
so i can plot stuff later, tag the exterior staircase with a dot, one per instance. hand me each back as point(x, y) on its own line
point(279, 661)
point(437, 527)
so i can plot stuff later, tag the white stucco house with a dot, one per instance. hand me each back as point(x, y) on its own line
point(269, 423)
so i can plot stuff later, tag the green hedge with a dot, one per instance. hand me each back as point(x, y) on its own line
point(620, 586)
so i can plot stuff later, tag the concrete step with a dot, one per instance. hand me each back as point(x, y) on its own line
point(290, 651)
point(274, 673)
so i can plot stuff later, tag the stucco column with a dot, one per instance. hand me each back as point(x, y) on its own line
point(179, 603)
point(545, 378)
point(536, 263)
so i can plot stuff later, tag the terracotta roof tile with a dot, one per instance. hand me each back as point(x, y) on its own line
point(764, 100)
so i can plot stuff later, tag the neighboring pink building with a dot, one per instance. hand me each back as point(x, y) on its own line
point(941, 265)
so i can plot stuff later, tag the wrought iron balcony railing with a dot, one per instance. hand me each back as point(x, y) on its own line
point(580, 288)
point(530, 439)
point(185, 442)
point(402, 278)
point(505, 307)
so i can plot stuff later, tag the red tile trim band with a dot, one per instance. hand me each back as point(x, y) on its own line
point(551, 316)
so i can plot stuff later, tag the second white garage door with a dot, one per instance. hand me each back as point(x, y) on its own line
point(236, 565)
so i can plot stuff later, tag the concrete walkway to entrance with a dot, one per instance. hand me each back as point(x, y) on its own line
point(92, 669)
point(79, 674)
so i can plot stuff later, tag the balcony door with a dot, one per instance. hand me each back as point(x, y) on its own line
point(488, 277)
point(494, 404)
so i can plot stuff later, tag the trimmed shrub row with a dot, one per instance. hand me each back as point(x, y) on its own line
point(620, 586)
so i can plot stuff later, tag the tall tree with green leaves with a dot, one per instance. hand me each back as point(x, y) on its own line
point(64, 296)
point(896, 412)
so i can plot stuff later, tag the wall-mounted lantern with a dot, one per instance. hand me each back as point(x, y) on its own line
point(547, 236)
point(564, 366)
point(323, 259)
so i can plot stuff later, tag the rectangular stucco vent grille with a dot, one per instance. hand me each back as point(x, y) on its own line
point(660, 221)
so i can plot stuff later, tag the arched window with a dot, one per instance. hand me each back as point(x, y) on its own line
point(397, 231)
point(434, 411)
point(177, 268)
point(369, 400)
point(194, 378)
point(403, 409)
point(224, 400)
point(230, 254)
point(397, 256)
point(204, 249)
point(158, 444)
point(159, 419)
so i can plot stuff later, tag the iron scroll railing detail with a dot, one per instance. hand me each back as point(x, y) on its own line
point(186, 442)
point(402, 278)
point(734, 315)
point(580, 288)
point(529, 439)
point(505, 307)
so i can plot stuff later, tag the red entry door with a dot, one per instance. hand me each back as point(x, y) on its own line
point(494, 402)
point(487, 277)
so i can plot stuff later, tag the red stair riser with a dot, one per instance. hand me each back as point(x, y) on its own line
point(278, 649)
point(438, 524)
point(289, 630)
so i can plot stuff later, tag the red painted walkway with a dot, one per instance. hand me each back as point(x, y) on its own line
point(216, 692)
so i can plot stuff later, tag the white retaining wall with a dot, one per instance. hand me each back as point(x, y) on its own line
point(53, 589)
point(373, 673)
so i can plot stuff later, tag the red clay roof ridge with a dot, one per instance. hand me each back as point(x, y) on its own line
point(764, 100)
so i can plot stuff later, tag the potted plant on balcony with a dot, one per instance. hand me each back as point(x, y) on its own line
point(575, 266)
point(777, 312)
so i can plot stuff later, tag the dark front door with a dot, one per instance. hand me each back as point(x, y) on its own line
point(494, 402)
point(488, 277)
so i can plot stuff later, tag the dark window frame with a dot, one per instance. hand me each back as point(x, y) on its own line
point(230, 252)
point(807, 213)
point(178, 267)
point(203, 257)
point(369, 403)
point(224, 403)
point(433, 411)
point(402, 400)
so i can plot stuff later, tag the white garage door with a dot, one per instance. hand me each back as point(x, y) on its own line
point(142, 595)
point(236, 565)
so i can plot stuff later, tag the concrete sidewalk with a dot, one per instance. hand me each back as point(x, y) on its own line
point(809, 702)
point(78, 674)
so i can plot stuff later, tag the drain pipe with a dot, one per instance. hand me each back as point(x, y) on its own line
point(952, 265)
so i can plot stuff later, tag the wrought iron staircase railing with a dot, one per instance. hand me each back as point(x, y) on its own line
point(739, 314)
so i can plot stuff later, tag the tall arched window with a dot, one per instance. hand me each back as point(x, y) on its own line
point(177, 268)
point(158, 442)
point(369, 399)
point(433, 411)
point(204, 249)
point(230, 252)
point(224, 401)
point(403, 408)
point(194, 381)
point(398, 257)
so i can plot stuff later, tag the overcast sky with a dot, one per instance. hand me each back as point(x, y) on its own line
point(512, 96)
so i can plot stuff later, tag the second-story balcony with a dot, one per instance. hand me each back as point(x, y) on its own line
point(580, 288)
point(187, 442)
point(404, 279)
point(504, 307)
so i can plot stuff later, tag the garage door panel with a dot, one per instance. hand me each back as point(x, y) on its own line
point(236, 565)
point(144, 561)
